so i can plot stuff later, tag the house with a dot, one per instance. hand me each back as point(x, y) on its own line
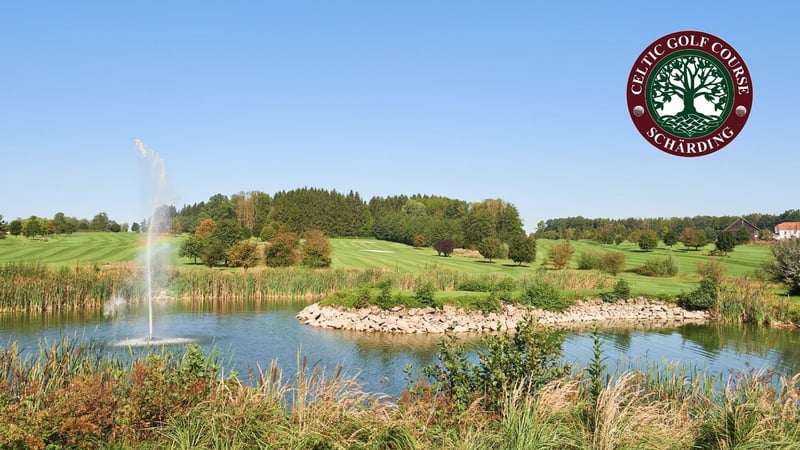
point(786, 230)
point(740, 223)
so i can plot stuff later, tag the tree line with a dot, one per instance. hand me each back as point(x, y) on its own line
point(609, 231)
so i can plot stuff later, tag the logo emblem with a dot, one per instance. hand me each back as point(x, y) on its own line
point(689, 93)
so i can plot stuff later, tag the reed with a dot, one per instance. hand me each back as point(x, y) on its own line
point(72, 395)
point(33, 287)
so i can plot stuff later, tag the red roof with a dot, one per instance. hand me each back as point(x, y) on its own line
point(787, 226)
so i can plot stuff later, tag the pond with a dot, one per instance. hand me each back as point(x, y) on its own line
point(251, 335)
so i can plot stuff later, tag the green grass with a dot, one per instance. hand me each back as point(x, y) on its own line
point(85, 248)
point(76, 249)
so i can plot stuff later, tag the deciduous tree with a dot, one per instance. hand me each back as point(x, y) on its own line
point(785, 265)
point(691, 237)
point(522, 249)
point(726, 241)
point(282, 251)
point(444, 246)
point(560, 254)
point(491, 247)
point(317, 250)
point(192, 247)
point(243, 254)
point(648, 240)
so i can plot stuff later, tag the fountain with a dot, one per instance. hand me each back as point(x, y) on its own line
point(155, 225)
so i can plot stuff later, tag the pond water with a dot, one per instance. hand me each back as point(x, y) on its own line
point(251, 335)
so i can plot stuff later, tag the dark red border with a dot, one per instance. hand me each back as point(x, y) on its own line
point(646, 122)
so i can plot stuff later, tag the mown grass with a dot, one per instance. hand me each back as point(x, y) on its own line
point(407, 266)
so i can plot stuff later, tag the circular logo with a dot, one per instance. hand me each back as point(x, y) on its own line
point(689, 93)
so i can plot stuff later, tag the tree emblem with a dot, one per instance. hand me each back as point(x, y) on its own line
point(689, 94)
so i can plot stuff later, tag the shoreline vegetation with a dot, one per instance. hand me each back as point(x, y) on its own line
point(33, 287)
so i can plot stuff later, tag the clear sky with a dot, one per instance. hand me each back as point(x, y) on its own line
point(523, 101)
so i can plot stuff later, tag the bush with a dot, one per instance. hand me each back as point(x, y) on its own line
point(610, 262)
point(621, 291)
point(659, 267)
point(476, 285)
point(529, 359)
point(711, 270)
point(424, 294)
point(589, 260)
point(545, 296)
point(701, 299)
point(363, 298)
point(490, 303)
point(560, 254)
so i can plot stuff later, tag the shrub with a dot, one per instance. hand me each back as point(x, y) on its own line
point(363, 298)
point(589, 260)
point(701, 299)
point(609, 262)
point(560, 254)
point(424, 294)
point(384, 299)
point(529, 358)
point(621, 291)
point(490, 303)
point(612, 262)
point(476, 285)
point(659, 267)
point(545, 296)
point(711, 270)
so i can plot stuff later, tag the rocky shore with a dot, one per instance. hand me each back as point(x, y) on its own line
point(449, 318)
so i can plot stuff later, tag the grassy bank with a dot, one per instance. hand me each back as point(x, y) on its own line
point(70, 397)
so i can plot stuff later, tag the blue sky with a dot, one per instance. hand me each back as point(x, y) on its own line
point(523, 101)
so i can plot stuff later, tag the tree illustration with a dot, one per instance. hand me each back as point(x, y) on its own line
point(689, 77)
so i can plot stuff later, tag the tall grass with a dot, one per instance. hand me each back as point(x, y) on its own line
point(33, 287)
point(75, 396)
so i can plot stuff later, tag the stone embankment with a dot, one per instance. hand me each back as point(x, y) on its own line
point(429, 320)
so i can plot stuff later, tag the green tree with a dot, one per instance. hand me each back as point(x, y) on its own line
point(15, 227)
point(100, 222)
point(522, 249)
point(670, 238)
point(192, 247)
point(317, 250)
point(213, 252)
point(785, 264)
point(282, 251)
point(726, 241)
point(491, 247)
point(743, 236)
point(478, 224)
point(560, 254)
point(32, 227)
point(691, 237)
point(135, 227)
point(228, 232)
point(648, 240)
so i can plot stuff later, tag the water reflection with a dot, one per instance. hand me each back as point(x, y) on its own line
point(252, 335)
